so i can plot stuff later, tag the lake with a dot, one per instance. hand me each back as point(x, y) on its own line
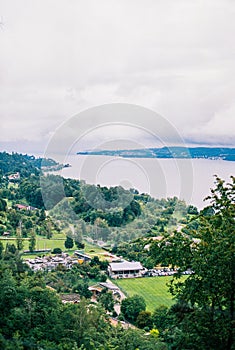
point(188, 179)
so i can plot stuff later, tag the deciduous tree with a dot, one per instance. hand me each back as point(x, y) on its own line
point(132, 306)
point(32, 242)
point(206, 298)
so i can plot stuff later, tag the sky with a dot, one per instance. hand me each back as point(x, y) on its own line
point(60, 58)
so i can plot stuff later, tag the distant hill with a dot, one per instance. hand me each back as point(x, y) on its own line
point(170, 152)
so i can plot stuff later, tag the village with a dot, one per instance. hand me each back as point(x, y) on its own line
point(118, 268)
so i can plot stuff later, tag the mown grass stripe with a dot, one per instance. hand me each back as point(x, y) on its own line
point(153, 289)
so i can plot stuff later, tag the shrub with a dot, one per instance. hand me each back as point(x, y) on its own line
point(56, 251)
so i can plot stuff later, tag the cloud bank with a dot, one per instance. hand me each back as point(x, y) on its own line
point(61, 57)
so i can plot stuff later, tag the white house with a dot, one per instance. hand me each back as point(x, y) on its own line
point(125, 269)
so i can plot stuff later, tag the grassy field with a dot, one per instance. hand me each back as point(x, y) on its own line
point(41, 243)
point(57, 241)
point(94, 250)
point(152, 289)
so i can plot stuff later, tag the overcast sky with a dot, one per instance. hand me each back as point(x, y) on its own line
point(60, 57)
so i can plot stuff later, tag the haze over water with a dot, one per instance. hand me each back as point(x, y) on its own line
point(188, 179)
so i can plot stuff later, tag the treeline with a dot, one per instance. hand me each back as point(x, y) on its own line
point(89, 202)
point(108, 214)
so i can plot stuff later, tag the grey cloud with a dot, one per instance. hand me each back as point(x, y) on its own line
point(60, 57)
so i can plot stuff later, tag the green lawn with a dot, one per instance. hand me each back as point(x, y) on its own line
point(41, 243)
point(94, 250)
point(57, 241)
point(152, 289)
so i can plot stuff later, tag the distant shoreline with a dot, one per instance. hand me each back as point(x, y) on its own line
point(213, 153)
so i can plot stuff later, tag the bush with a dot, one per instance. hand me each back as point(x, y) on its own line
point(132, 306)
point(103, 278)
point(144, 320)
point(56, 251)
point(154, 333)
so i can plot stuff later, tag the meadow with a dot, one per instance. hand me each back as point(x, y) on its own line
point(57, 241)
point(154, 290)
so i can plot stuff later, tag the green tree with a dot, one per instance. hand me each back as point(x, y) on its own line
point(135, 339)
point(94, 272)
point(192, 210)
point(14, 218)
point(42, 215)
point(2, 229)
point(79, 245)
point(19, 241)
point(83, 228)
point(3, 205)
point(205, 311)
point(68, 243)
point(106, 300)
point(82, 288)
point(95, 261)
point(132, 306)
point(56, 251)
point(7, 294)
point(144, 320)
point(161, 318)
point(32, 242)
point(1, 249)
point(28, 224)
point(10, 248)
point(102, 230)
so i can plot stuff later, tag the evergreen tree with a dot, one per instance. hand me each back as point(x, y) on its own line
point(19, 241)
point(1, 249)
point(68, 243)
point(32, 242)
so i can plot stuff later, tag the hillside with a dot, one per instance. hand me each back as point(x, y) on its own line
point(107, 215)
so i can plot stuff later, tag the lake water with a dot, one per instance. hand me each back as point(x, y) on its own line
point(188, 179)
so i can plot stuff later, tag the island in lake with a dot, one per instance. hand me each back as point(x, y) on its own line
point(169, 152)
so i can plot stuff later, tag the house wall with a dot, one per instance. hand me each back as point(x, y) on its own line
point(125, 274)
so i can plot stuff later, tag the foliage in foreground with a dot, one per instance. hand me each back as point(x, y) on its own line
point(204, 317)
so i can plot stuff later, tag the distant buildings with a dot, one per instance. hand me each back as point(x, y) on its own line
point(82, 256)
point(14, 177)
point(97, 289)
point(24, 207)
point(51, 262)
point(6, 234)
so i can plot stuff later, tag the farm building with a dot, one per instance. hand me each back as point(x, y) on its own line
point(125, 269)
point(82, 256)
